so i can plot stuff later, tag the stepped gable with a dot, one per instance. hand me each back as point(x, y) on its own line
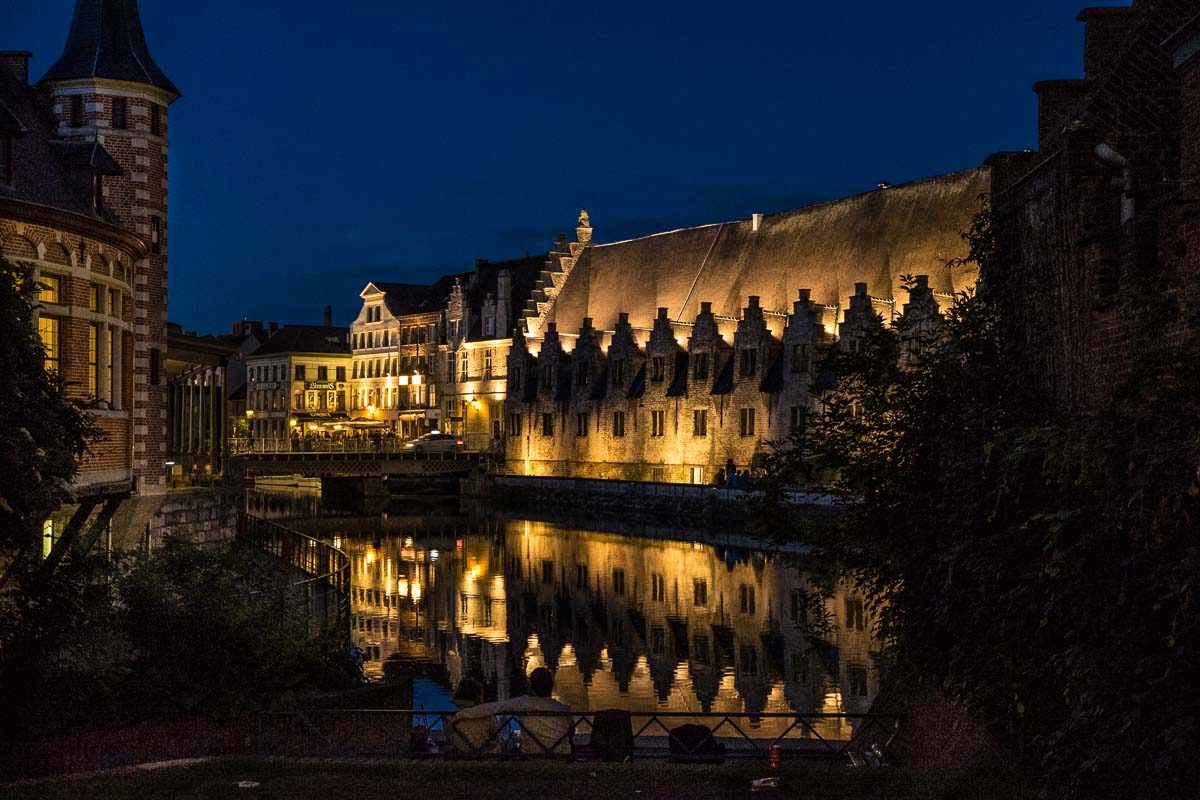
point(874, 237)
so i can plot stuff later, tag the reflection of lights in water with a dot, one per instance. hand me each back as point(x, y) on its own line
point(593, 671)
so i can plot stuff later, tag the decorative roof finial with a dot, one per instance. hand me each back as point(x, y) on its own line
point(584, 220)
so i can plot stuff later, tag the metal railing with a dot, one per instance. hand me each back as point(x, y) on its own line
point(327, 566)
point(350, 445)
point(857, 738)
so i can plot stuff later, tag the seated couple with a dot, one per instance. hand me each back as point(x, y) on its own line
point(474, 729)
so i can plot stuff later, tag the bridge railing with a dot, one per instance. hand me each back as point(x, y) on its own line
point(328, 586)
point(859, 738)
point(356, 444)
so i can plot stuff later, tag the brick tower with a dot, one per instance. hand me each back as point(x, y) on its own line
point(108, 89)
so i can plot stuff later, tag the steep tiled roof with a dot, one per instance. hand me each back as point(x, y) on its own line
point(874, 237)
point(107, 41)
point(306, 339)
point(47, 171)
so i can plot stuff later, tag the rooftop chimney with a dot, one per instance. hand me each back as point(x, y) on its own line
point(17, 62)
point(753, 301)
point(860, 289)
point(623, 318)
point(805, 295)
point(706, 308)
point(328, 316)
point(662, 312)
point(755, 222)
point(272, 327)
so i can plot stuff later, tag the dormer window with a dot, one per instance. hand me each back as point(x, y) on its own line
point(6, 148)
point(658, 369)
point(749, 362)
point(700, 370)
point(120, 113)
point(618, 372)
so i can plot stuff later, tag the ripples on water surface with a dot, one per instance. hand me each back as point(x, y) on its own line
point(644, 619)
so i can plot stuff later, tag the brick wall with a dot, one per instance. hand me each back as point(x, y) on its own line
point(1059, 214)
point(138, 199)
point(80, 262)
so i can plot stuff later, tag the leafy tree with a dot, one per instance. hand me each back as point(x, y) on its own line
point(1042, 569)
point(43, 434)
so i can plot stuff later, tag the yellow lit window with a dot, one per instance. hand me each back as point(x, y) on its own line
point(50, 289)
point(110, 383)
point(48, 329)
point(93, 357)
point(96, 298)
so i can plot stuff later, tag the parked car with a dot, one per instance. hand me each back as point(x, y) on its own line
point(435, 443)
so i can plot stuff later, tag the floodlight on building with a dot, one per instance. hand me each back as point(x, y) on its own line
point(416, 380)
point(293, 423)
point(249, 413)
point(403, 380)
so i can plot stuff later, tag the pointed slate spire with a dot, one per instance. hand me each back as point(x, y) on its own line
point(107, 41)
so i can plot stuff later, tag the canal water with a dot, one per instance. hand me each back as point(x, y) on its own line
point(626, 616)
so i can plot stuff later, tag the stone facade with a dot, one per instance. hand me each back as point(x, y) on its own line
point(297, 381)
point(395, 341)
point(679, 402)
point(678, 394)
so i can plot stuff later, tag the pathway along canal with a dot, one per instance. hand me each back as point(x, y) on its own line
point(642, 619)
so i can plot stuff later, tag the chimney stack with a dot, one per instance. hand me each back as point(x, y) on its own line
point(272, 328)
point(705, 308)
point(755, 222)
point(17, 62)
point(328, 316)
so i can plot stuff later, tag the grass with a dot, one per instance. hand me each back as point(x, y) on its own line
point(347, 780)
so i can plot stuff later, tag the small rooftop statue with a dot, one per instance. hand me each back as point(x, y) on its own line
point(584, 220)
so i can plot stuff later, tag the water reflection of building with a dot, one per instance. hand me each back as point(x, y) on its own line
point(679, 626)
point(624, 622)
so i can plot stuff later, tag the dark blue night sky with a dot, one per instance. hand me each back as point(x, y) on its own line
point(321, 145)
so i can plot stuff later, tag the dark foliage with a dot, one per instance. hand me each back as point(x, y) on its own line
point(42, 433)
point(1042, 570)
point(188, 630)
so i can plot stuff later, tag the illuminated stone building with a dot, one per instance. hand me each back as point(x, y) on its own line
point(480, 313)
point(298, 381)
point(83, 199)
point(395, 340)
point(665, 357)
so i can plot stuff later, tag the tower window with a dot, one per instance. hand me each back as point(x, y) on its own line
point(701, 368)
point(120, 113)
point(155, 119)
point(76, 111)
point(155, 235)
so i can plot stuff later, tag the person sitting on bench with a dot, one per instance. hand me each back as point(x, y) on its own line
point(546, 735)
